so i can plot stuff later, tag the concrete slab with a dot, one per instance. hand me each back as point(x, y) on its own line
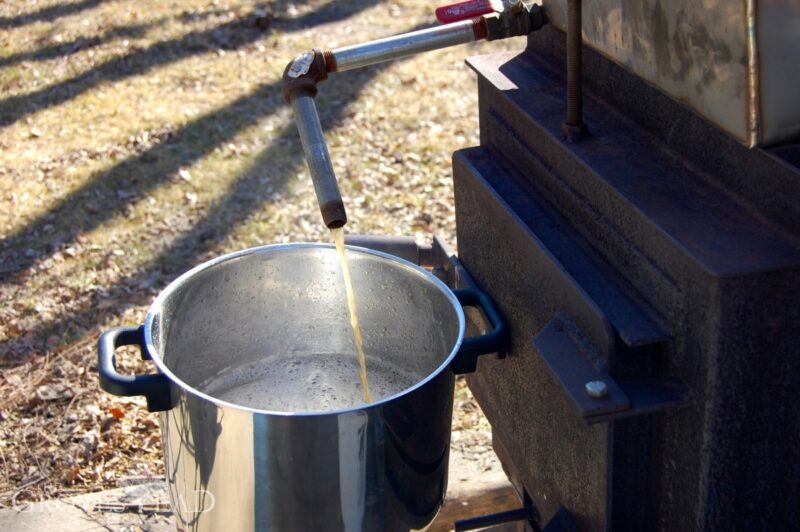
point(142, 507)
point(474, 488)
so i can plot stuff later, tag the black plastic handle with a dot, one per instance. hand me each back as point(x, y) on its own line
point(155, 387)
point(495, 341)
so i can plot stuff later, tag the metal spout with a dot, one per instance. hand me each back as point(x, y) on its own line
point(305, 71)
point(319, 160)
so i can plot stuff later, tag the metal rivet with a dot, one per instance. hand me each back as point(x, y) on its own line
point(596, 389)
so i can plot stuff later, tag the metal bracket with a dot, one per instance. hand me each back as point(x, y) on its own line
point(583, 375)
point(569, 356)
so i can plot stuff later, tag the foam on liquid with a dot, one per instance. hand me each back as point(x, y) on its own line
point(307, 383)
point(313, 383)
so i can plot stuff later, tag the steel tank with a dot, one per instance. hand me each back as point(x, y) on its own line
point(377, 466)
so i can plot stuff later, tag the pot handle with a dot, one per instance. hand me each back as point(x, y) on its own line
point(154, 387)
point(492, 342)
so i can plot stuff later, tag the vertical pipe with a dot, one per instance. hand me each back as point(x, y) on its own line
point(574, 124)
point(754, 98)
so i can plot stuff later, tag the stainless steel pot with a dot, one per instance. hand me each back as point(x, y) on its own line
point(379, 466)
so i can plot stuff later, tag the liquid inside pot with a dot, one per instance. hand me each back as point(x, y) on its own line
point(303, 383)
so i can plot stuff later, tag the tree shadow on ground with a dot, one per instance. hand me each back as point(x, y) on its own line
point(247, 195)
point(48, 14)
point(130, 180)
point(79, 44)
point(231, 35)
point(72, 215)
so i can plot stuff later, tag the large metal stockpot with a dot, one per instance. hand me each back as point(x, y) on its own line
point(379, 466)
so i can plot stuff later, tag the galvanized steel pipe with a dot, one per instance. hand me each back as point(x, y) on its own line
point(319, 161)
point(306, 70)
point(406, 44)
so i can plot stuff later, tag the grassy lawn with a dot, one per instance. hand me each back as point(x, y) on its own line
point(140, 138)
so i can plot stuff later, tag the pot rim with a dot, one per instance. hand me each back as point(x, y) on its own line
point(158, 305)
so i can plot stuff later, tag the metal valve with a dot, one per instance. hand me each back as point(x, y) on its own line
point(500, 18)
point(466, 10)
point(475, 8)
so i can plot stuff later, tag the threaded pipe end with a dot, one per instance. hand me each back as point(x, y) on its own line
point(330, 60)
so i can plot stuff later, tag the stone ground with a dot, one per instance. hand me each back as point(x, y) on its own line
point(473, 490)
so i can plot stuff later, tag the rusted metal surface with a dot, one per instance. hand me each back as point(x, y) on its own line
point(568, 356)
point(677, 218)
point(574, 128)
point(303, 73)
point(530, 414)
point(330, 61)
point(333, 214)
point(732, 61)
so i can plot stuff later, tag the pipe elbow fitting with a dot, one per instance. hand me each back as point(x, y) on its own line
point(517, 21)
point(305, 71)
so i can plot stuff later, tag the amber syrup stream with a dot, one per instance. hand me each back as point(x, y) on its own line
point(338, 239)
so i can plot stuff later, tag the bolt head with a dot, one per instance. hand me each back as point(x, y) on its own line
point(596, 389)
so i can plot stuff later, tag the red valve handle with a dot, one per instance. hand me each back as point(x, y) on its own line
point(464, 10)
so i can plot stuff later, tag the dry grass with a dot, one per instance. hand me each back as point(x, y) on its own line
point(138, 139)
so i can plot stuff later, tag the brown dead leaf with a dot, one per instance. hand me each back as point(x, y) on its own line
point(70, 475)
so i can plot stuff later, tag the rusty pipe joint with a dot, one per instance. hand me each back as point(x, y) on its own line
point(520, 18)
point(305, 71)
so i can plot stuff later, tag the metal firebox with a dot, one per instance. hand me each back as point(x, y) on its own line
point(650, 276)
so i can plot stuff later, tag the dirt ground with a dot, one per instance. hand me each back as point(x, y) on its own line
point(138, 139)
